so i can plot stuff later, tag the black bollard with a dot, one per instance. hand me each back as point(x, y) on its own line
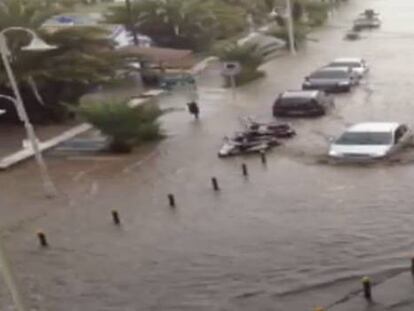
point(412, 266)
point(42, 239)
point(263, 157)
point(366, 283)
point(214, 182)
point(244, 169)
point(115, 218)
point(171, 200)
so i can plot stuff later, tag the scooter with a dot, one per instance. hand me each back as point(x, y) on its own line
point(278, 130)
point(232, 148)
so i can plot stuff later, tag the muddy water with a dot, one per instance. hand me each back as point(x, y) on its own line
point(295, 234)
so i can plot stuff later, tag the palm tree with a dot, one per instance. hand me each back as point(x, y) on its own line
point(84, 58)
point(30, 13)
point(125, 127)
point(247, 56)
point(190, 24)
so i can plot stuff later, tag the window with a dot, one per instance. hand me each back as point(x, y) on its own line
point(330, 74)
point(345, 64)
point(365, 138)
point(294, 101)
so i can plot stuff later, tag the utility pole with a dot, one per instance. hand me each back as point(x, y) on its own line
point(10, 280)
point(35, 45)
point(131, 23)
point(290, 27)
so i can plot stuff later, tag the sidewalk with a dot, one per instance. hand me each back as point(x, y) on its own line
point(12, 135)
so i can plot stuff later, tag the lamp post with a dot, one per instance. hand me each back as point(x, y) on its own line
point(290, 26)
point(10, 280)
point(291, 31)
point(35, 45)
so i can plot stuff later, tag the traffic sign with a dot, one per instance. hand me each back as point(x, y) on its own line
point(231, 68)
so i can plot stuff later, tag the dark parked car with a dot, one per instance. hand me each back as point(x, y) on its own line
point(302, 103)
point(331, 79)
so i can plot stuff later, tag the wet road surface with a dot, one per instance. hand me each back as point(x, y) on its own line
point(293, 235)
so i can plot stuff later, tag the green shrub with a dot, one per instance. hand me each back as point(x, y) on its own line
point(317, 12)
point(247, 76)
point(126, 127)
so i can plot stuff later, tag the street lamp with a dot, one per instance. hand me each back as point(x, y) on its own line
point(37, 45)
point(291, 31)
point(290, 26)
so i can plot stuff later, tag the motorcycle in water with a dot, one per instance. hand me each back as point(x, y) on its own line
point(278, 130)
point(244, 143)
point(232, 148)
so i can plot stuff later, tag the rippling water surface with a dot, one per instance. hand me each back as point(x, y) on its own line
point(295, 234)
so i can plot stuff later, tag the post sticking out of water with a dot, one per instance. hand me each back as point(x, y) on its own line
point(115, 218)
point(214, 183)
point(42, 239)
point(412, 265)
point(171, 200)
point(245, 170)
point(366, 283)
point(263, 157)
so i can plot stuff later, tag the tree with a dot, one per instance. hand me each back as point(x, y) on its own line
point(126, 127)
point(297, 11)
point(30, 13)
point(192, 24)
point(258, 9)
point(317, 12)
point(84, 58)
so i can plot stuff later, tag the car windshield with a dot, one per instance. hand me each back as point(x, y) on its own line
point(345, 64)
point(294, 101)
point(329, 74)
point(365, 138)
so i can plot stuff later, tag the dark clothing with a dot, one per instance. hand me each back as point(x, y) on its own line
point(194, 109)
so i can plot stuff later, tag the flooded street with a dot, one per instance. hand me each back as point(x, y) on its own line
point(295, 234)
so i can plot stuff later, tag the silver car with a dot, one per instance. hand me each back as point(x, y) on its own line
point(371, 140)
point(357, 65)
point(364, 22)
point(331, 79)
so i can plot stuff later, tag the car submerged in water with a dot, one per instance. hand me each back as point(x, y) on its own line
point(356, 64)
point(364, 22)
point(371, 140)
point(256, 137)
point(310, 103)
point(331, 80)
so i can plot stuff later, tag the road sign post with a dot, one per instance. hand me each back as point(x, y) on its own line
point(230, 70)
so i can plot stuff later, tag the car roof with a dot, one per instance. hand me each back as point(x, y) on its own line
point(334, 69)
point(374, 127)
point(300, 94)
point(364, 18)
point(347, 60)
